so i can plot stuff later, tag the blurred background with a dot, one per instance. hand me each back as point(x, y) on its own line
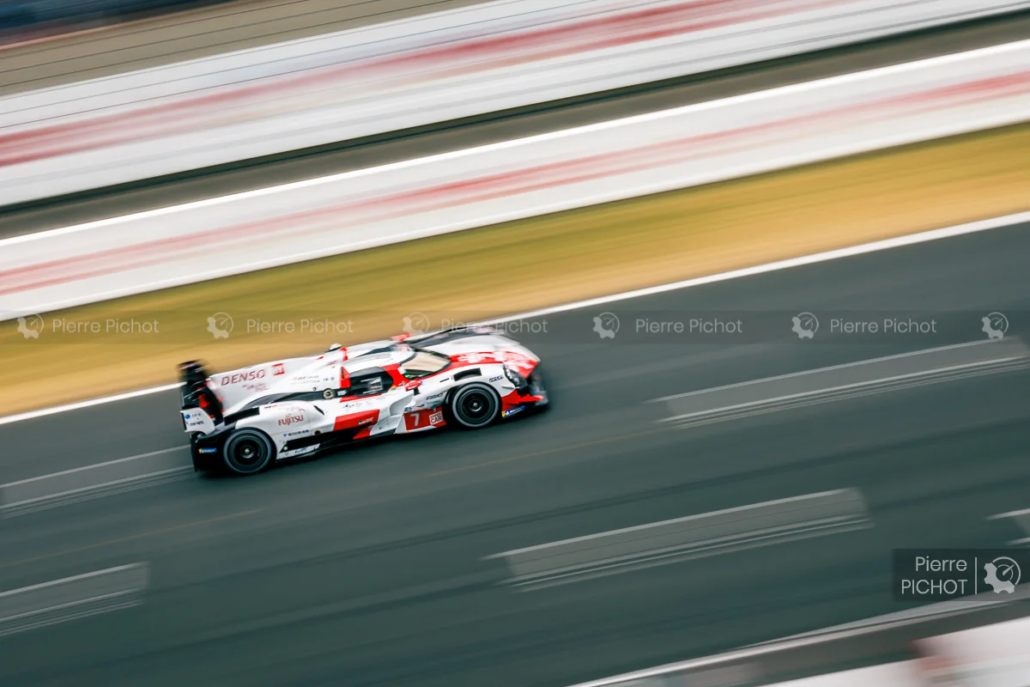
point(772, 254)
point(26, 20)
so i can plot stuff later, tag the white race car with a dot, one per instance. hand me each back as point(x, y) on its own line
point(246, 420)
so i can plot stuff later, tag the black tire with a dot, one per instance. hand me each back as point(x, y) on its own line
point(248, 452)
point(473, 406)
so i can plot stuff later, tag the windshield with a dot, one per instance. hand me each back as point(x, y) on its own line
point(423, 363)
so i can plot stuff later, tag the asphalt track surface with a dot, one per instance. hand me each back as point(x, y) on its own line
point(368, 567)
point(413, 143)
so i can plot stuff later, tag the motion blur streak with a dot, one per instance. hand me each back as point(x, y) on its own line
point(471, 188)
point(732, 505)
point(72, 598)
point(994, 650)
point(94, 481)
point(356, 560)
point(414, 72)
point(893, 373)
point(29, 21)
point(673, 541)
point(911, 239)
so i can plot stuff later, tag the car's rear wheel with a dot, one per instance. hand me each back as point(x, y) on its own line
point(474, 406)
point(248, 452)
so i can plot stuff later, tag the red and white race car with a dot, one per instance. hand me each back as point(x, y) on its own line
point(246, 420)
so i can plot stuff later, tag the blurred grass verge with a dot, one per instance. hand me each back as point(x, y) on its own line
point(111, 347)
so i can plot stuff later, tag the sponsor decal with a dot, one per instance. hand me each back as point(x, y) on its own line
point(298, 434)
point(416, 420)
point(308, 379)
point(208, 450)
point(195, 420)
point(509, 413)
point(436, 419)
point(351, 420)
point(496, 379)
point(477, 358)
point(290, 419)
point(434, 396)
point(287, 407)
point(278, 369)
point(241, 377)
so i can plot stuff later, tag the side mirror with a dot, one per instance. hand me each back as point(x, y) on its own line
point(334, 347)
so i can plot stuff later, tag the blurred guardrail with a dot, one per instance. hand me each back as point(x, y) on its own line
point(613, 160)
point(978, 641)
point(417, 71)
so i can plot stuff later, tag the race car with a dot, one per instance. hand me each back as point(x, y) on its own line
point(246, 420)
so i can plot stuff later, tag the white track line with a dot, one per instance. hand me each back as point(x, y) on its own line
point(74, 578)
point(861, 249)
point(96, 465)
point(92, 481)
point(650, 525)
point(857, 386)
point(857, 363)
point(702, 535)
point(72, 598)
point(1010, 514)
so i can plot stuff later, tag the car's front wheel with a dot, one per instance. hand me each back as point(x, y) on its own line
point(248, 452)
point(474, 406)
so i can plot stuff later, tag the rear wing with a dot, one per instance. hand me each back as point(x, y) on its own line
point(196, 395)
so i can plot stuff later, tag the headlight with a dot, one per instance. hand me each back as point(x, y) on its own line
point(515, 378)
